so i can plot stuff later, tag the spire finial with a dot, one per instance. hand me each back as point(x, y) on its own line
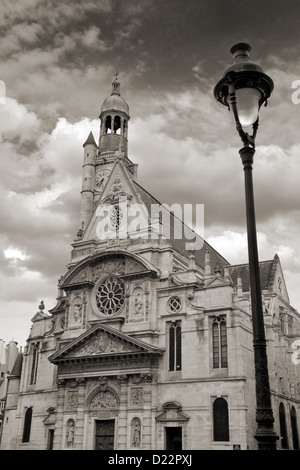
point(116, 84)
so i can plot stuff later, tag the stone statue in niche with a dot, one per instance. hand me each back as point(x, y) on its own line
point(75, 312)
point(77, 309)
point(70, 432)
point(137, 305)
point(136, 433)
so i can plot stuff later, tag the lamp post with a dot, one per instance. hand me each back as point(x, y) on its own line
point(244, 88)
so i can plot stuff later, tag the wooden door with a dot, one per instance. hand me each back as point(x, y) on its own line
point(105, 431)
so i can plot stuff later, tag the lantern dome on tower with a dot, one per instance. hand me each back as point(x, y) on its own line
point(115, 102)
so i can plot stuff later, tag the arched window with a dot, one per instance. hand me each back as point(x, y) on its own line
point(108, 125)
point(34, 364)
point(175, 346)
point(281, 319)
point(283, 431)
point(117, 125)
point(294, 427)
point(220, 420)
point(27, 425)
point(292, 390)
point(290, 325)
point(219, 337)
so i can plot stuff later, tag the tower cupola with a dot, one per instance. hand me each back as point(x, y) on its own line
point(114, 119)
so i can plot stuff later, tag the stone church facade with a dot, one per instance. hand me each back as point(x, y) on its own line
point(149, 346)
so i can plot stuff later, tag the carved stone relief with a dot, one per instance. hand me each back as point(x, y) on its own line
point(103, 343)
point(83, 275)
point(102, 383)
point(72, 398)
point(106, 267)
point(117, 191)
point(136, 396)
point(106, 399)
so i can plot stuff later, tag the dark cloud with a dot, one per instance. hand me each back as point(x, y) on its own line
point(58, 59)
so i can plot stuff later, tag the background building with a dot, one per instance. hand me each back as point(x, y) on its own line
point(8, 356)
point(149, 345)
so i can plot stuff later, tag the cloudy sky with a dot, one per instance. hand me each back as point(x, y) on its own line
point(58, 60)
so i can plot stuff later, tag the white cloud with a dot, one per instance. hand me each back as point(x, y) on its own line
point(14, 253)
point(16, 122)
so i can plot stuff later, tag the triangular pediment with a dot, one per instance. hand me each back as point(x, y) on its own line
point(119, 191)
point(172, 412)
point(217, 281)
point(102, 341)
point(40, 316)
point(277, 282)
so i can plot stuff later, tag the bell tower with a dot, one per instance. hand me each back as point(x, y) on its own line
point(114, 119)
point(99, 160)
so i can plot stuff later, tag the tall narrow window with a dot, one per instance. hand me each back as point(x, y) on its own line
point(117, 125)
point(219, 337)
point(108, 125)
point(175, 346)
point(34, 364)
point(290, 325)
point(27, 425)
point(281, 318)
point(220, 420)
point(283, 431)
point(50, 439)
point(294, 426)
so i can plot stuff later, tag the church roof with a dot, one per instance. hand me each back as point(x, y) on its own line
point(179, 244)
point(90, 140)
point(267, 271)
point(17, 367)
point(115, 102)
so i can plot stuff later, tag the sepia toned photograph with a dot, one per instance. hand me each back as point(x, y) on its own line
point(150, 220)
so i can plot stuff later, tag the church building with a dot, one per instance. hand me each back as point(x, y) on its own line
point(150, 344)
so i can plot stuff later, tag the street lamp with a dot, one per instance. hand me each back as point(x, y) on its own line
point(244, 88)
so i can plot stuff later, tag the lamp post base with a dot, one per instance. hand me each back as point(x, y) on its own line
point(266, 438)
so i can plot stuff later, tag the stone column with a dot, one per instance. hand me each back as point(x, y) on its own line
point(79, 433)
point(58, 431)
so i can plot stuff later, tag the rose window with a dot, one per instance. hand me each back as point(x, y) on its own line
point(174, 304)
point(116, 217)
point(110, 296)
